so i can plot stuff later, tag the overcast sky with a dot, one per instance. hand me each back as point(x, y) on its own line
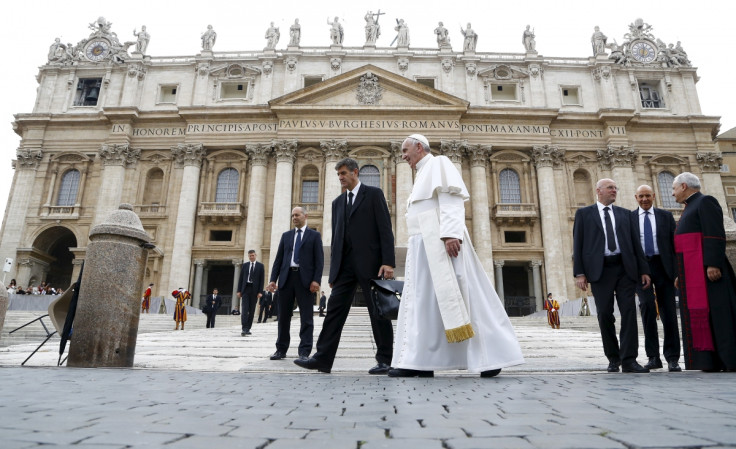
point(563, 29)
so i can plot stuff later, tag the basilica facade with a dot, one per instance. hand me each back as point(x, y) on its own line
point(214, 150)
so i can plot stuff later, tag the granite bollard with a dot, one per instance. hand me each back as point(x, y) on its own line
point(106, 323)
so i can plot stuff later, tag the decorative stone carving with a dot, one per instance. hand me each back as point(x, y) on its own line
point(617, 156)
point(548, 156)
point(272, 37)
point(447, 65)
point(337, 34)
point(369, 91)
point(396, 151)
point(527, 38)
point(453, 149)
point(285, 150)
point(498, 263)
point(471, 69)
point(119, 154)
point(372, 28)
point(709, 162)
point(258, 153)
point(208, 38)
point(203, 68)
point(470, 39)
point(142, 40)
point(188, 154)
point(403, 64)
point(536, 70)
point(402, 36)
point(137, 71)
point(601, 72)
point(290, 63)
point(443, 38)
point(267, 67)
point(27, 158)
point(57, 51)
point(100, 46)
point(479, 154)
point(295, 34)
point(598, 41)
point(334, 149)
point(335, 63)
point(639, 30)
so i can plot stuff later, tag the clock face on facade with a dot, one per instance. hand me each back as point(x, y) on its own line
point(643, 51)
point(97, 50)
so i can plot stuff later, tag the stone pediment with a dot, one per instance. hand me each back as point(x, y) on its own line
point(368, 87)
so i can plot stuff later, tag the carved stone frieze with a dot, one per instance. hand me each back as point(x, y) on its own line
point(290, 63)
point(471, 69)
point(203, 68)
point(285, 150)
point(479, 154)
point(548, 156)
point(27, 158)
point(335, 63)
point(188, 154)
point(334, 149)
point(258, 153)
point(601, 72)
point(453, 149)
point(617, 156)
point(709, 162)
point(403, 64)
point(137, 71)
point(447, 65)
point(536, 70)
point(369, 91)
point(119, 154)
point(267, 67)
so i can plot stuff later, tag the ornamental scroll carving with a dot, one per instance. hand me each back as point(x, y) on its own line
point(27, 158)
point(285, 150)
point(334, 149)
point(709, 162)
point(369, 91)
point(548, 156)
point(453, 149)
point(479, 154)
point(188, 154)
point(617, 156)
point(119, 154)
point(258, 153)
point(396, 151)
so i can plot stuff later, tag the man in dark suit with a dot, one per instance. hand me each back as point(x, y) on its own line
point(265, 303)
point(298, 268)
point(322, 304)
point(657, 237)
point(607, 253)
point(362, 248)
point(250, 288)
point(212, 303)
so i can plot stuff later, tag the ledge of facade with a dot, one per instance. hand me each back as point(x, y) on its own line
point(215, 213)
point(121, 112)
point(537, 115)
point(514, 214)
point(225, 111)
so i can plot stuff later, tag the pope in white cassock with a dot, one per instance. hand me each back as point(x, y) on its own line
point(450, 315)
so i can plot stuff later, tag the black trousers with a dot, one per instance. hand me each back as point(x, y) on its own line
point(614, 281)
point(338, 308)
point(263, 313)
point(665, 289)
point(211, 318)
point(293, 289)
point(248, 306)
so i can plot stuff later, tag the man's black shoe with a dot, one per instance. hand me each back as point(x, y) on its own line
point(247, 332)
point(278, 355)
point(242, 334)
point(259, 321)
point(613, 367)
point(490, 373)
point(303, 358)
point(654, 363)
point(401, 372)
point(312, 363)
point(634, 367)
point(674, 367)
point(381, 368)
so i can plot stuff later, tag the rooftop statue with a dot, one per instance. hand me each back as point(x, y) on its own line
point(528, 40)
point(372, 28)
point(336, 32)
point(295, 34)
point(142, 40)
point(402, 38)
point(272, 37)
point(471, 39)
point(443, 38)
point(598, 40)
point(208, 38)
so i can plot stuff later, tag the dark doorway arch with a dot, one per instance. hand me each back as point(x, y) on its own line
point(53, 245)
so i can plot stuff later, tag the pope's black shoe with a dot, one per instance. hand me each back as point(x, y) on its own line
point(490, 373)
point(312, 363)
point(401, 372)
point(633, 367)
point(653, 363)
point(381, 368)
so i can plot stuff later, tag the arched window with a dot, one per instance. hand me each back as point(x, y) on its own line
point(510, 188)
point(665, 180)
point(370, 176)
point(154, 186)
point(583, 189)
point(68, 189)
point(310, 184)
point(227, 186)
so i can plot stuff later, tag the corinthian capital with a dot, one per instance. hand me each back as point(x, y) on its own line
point(548, 156)
point(258, 153)
point(710, 162)
point(188, 154)
point(27, 159)
point(479, 154)
point(453, 149)
point(119, 154)
point(617, 156)
point(396, 151)
point(334, 149)
point(284, 150)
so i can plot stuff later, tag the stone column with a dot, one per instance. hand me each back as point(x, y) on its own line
point(285, 153)
point(106, 323)
point(199, 269)
point(235, 302)
point(115, 158)
point(499, 278)
point(479, 202)
point(25, 165)
point(536, 276)
point(189, 157)
point(620, 160)
point(404, 186)
point(546, 157)
point(258, 154)
point(334, 150)
point(454, 150)
point(710, 166)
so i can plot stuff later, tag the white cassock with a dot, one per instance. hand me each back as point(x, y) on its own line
point(421, 342)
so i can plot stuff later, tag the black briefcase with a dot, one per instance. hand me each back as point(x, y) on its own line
point(386, 296)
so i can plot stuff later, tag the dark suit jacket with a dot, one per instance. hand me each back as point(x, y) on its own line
point(371, 234)
point(266, 298)
point(311, 258)
point(665, 237)
point(258, 276)
point(589, 242)
point(208, 302)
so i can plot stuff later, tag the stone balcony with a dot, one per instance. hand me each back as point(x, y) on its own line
point(60, 212)
point(515, 214)
point(150, 210)
point(311, 209)
point(221, 213)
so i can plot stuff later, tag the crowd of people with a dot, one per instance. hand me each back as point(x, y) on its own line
point(41, 289)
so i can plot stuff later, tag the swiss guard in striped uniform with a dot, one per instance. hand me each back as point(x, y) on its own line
point(180, 309)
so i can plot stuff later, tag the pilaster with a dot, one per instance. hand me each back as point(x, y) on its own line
point(479, 155)
point(334, 150)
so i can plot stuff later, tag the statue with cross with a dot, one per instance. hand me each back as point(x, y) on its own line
point(372, 28)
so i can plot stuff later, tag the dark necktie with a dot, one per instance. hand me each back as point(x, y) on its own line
point(349, 207)
point(250, 272)
point(648, 236)
point(297, 244)
point(610, 236)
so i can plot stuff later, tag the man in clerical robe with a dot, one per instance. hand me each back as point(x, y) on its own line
point(450, 315)
point(706, 280)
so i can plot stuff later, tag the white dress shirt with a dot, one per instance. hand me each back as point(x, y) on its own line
point(654, 228)
point(602, 214)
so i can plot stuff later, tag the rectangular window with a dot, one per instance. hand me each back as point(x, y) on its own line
point(733, 214)
point(730, 190)
point(514, 236)
point(503, 92)
point(167, 94)
point(88, 92)
point(725, 168)
point(312, 80)
point(649, 92)
point(221, 235)
point(429, 82)
point(234, 90)
point(310, 191)
point(570, 95)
